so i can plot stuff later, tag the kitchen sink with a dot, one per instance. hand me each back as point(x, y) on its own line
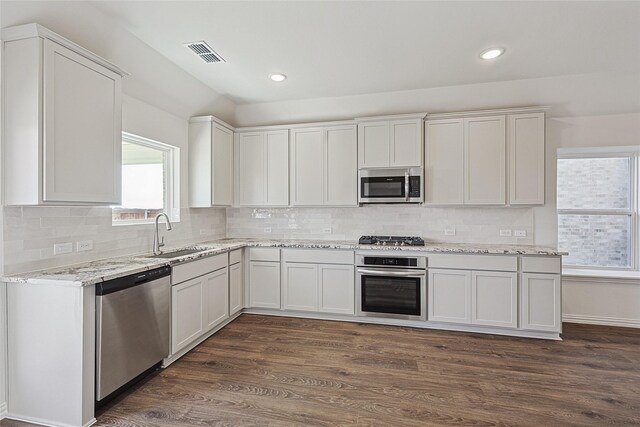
point(176, 254)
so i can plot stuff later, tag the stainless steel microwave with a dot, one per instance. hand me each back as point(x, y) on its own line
point(390, 185)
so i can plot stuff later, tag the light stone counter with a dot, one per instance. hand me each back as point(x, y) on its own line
point(98, 271)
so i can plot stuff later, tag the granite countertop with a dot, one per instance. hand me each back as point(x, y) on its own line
point(98, 271)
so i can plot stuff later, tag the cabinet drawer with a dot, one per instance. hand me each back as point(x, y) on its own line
point(189, 270)
point(474, 262)
point(235, 256)
point(264, 254)
point(318, 256)
point(541, 264)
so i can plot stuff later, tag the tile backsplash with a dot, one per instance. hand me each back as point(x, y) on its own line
point(472, 225)
point(31, 232)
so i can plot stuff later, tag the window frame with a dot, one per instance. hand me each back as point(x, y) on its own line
point(633, 153)
point(171, 166)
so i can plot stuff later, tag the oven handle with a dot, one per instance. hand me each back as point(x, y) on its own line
point(392, 273)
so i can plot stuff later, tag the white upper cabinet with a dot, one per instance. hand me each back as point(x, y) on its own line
point(484, 160)
point(466, 158)
point(307, 167)
point(526, 159)
point(390, 142)
point(210, 162)
point(63, 121)
point(263, 168)
point(324, 166)
point(444, 162)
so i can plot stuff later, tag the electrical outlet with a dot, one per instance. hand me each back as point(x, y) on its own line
point(520, 233)
point(451, 231)
point(85, 245)
point(505, 233)
point(267, 229)
point(326, 230)
point(204, 232)
point(62, 248)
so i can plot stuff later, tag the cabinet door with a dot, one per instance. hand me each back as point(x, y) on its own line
point(216, 297)
point(540, 304)
point(222, 161)
point(236, 288)
point(449, 296)
point(494, 299)
point(406, 143)
point(373, 144)
point(307, 167)
point(264, 284)
point(341, 166)
point(252, 169)
point(82, 129)
point(336, 292)
point(277, 167)
point(300, 286)
point(484, 158)
point(187, 312)
point(526, 159)
point(444, 162)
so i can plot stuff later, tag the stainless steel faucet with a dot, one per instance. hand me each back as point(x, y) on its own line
point(157, 243)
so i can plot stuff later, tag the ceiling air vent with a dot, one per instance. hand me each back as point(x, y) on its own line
point(204, 51)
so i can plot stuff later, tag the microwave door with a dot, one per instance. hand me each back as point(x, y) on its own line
point(384, 187)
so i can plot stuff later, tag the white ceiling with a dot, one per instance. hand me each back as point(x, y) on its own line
point(332, 49)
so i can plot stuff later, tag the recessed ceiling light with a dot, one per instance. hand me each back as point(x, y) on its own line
point(277, 77)
point(492, 53)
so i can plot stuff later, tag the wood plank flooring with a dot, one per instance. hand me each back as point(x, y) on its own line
point(277, 371)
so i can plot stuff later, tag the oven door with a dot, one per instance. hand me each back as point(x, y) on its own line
point(391, 293)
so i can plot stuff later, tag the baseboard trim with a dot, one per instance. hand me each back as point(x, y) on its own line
point(3, 410)
point(600, 320)
point(48, 423)
point(410, 323)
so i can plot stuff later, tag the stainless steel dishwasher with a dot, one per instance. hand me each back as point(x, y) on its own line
point(133, 323)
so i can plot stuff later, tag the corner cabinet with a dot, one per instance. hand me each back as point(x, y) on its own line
point(493, 159)
point(324, 169)
point(263, 168)
point(210, 162)
point(392, 141)
point(63, 121)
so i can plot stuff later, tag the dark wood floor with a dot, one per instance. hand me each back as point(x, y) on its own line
point(263, 370)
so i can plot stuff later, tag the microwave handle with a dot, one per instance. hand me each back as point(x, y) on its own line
point(406, 186)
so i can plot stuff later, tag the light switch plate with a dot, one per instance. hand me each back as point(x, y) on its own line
point(84, 245)
point(450, 231)
point(505, 233)
point(520, 233)
point(62, 248)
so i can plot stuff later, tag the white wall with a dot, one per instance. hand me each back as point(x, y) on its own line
point(154, 79)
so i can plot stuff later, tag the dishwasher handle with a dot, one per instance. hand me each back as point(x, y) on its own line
point(121, 283)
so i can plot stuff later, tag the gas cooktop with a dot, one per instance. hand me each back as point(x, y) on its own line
point(391, 241)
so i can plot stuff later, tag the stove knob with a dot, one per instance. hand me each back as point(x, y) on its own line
point(384, 243)
point(397, 243)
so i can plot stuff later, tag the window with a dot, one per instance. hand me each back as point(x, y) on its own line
point(150, 171)
point(598, 208)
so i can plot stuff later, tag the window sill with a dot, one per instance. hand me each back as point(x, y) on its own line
point(601, 274)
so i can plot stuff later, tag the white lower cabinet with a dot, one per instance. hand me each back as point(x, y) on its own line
point(216, 297)
point(336, 293)
point(187, 312)
point(488, 298)
point(494, 298)
point(449, 296)
point(300, 287)
point(199, 299)
point(264, 284)
point(540, 305)
point(236, 288)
